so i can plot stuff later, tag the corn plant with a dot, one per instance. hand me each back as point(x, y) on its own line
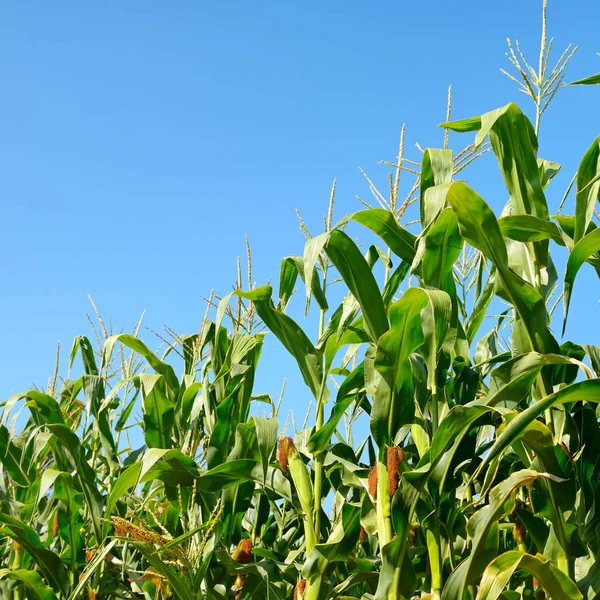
point(455, 443)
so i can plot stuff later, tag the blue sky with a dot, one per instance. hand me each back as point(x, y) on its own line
point(140, 141)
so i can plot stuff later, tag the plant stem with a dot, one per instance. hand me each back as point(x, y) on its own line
point(17, 563)
point(387, 267)
point(384, 505)
point(318, 424)
point(318, 477)
point(434, 410)
point(434, 550)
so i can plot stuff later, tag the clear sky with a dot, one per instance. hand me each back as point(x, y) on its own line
point(140, 141)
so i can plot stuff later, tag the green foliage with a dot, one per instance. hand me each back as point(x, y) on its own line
point(477, 474)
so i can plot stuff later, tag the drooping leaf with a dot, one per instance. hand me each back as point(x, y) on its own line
point(290, 335)
point(479, 226)
point(586, 247)
point(355, 271)
point(49, 562)
point(588, 189)
point(498, 573)
point(291, 267)
point(353, 384)
point(515, 145)
point(36, 587)
point(384, 224)
point(528, 228)
point(581, 391)
point(158, 365)
point(483, 529)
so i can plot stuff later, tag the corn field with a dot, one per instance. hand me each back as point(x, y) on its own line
point(452, 448)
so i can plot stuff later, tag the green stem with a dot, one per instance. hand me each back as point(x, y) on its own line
point(318, 476)
point(319, 459)
point(384, 505)
point(387, 268)
point(17, 563)
point(434, 549)
point(435, 419)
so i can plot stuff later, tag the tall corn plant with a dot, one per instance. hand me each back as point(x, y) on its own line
point(476, 477)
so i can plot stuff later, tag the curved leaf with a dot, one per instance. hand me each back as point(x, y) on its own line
point(500, 570)
point(582, 391)
point(49, 562)
point(384, 224)
point(138, 346)
point(37, 588)
point(349, 261)
point(586, 247)
point(588, 189)
point(353, 384)
point(483, 529)
point(290, 335)
point(479, 226)
point(528, 228)
point(436, 170)
point(391, 379)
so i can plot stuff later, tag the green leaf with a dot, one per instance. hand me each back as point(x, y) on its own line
point(239, 471)
point(266, 437)
point(384, 224)
point(586, 247)
point(159, 411)
point(435, 320)
point(582, 391)
point(397, 578)
point(548, 171)
point(93, 388)
point(463, 126)
point(172, 467)
point(498, 573)
point(158, 365)
point(44, 406)
point(126, 480)
point(393, 283)
point(443, 244)
point(591, 80)
point(291, 267)
point(69, 519)
point(515, 145)
point(483, 530)
point(588, 189)
point(177, 583)
point(96, 562)
point(353, 333)
point(511, 382)
point(82, 343)
point(527, 228)
point(355, 271)
point(11, 458)
point(352, 385)
point(49, 563)
point(391, 380)
point(339, 545)
point(36, 587)
point(289, 333)
point(436, 170)
point(480, 228)
point(479, 310)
